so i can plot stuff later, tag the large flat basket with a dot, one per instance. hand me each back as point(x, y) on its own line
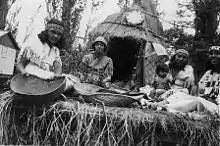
point(91, 93)
point(33, 90)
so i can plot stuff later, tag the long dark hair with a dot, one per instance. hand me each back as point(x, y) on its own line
point(43, 36)
point(212, 68)
point(173, 65)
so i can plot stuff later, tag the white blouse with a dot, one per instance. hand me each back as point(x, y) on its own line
point(40, 54)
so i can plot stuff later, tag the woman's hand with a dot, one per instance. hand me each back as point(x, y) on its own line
point(194, 90)
point(21, 66)
point(189, 82)
point(25, 73)
point(53, 76)
point(106, 82)
point(214, 93)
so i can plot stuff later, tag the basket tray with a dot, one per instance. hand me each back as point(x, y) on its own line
point(93, 93)
point(35, 90)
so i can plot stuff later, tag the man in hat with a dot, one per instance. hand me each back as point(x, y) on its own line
point(97, 67)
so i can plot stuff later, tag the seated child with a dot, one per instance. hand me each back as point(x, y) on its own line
point(162, 80)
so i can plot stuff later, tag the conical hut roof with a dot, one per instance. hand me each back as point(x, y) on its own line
point(117, 25)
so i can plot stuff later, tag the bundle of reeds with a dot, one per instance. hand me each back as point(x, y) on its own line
point(74, 123)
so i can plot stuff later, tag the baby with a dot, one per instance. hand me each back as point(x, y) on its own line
point(162, 80)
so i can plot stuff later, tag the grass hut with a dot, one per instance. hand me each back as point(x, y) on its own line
point(135, 41)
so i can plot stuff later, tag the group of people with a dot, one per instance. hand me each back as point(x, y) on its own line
point(174, 87)
point(173, 82)
point(41, 57)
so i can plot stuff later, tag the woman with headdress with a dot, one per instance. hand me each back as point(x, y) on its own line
point(97, 67)
point(181, 71)
point(41, 55)
point(209, 84)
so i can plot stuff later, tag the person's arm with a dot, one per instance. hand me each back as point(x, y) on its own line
point(108, 72)
point(57, 68)
point(84, 68)
point(57, 64)
point(21, 65)
point(190, 80)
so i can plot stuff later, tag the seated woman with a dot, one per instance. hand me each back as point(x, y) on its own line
point(41, 55)
point(182, 73)
point(209, 84)
point(181, 101)
point(97, 67)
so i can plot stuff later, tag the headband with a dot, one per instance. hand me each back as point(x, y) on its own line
point(182, 51)
point(217, 48)
point(54, 26)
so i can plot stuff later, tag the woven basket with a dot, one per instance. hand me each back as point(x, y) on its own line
point(33, 90)
point(91, 93)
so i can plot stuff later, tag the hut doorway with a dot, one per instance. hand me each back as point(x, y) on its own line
point(124, 53)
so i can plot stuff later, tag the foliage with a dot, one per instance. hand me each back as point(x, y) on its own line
point(184, 14)
point(3, 12)
point(178, 38)
point(54, 8)
point(94, 7)
point(124, 4)
point(4, 7)
point(206, 22)
point(71, 16)
point(72, 58)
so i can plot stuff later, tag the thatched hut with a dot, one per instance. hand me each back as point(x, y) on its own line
point(135, 41)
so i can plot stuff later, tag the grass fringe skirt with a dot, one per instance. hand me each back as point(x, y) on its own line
point(74, 123)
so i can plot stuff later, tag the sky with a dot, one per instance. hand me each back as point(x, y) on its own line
point(169, 7)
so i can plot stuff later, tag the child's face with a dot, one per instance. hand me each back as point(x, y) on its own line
point(162, 74)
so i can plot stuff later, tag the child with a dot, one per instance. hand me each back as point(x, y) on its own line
point(162, 80)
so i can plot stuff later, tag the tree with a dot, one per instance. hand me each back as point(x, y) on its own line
point(4, 7)
point(125, 4)
point(206, 22)
point(177, 37)
point(93, 7)
point(71, 15)
point(55, 8)
point(184, 15)
point(206, 19)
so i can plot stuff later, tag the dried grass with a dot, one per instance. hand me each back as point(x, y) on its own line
point(116, 25)
point(73, 123)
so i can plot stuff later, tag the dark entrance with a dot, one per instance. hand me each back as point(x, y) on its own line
point(124, 53)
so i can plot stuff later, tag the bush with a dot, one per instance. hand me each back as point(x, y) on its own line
point(71, 60)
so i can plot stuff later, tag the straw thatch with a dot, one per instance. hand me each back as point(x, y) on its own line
point(116, 25)
point(120, 29)
point(73, 123)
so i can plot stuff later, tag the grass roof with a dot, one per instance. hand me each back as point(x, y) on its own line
point(116, 25)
